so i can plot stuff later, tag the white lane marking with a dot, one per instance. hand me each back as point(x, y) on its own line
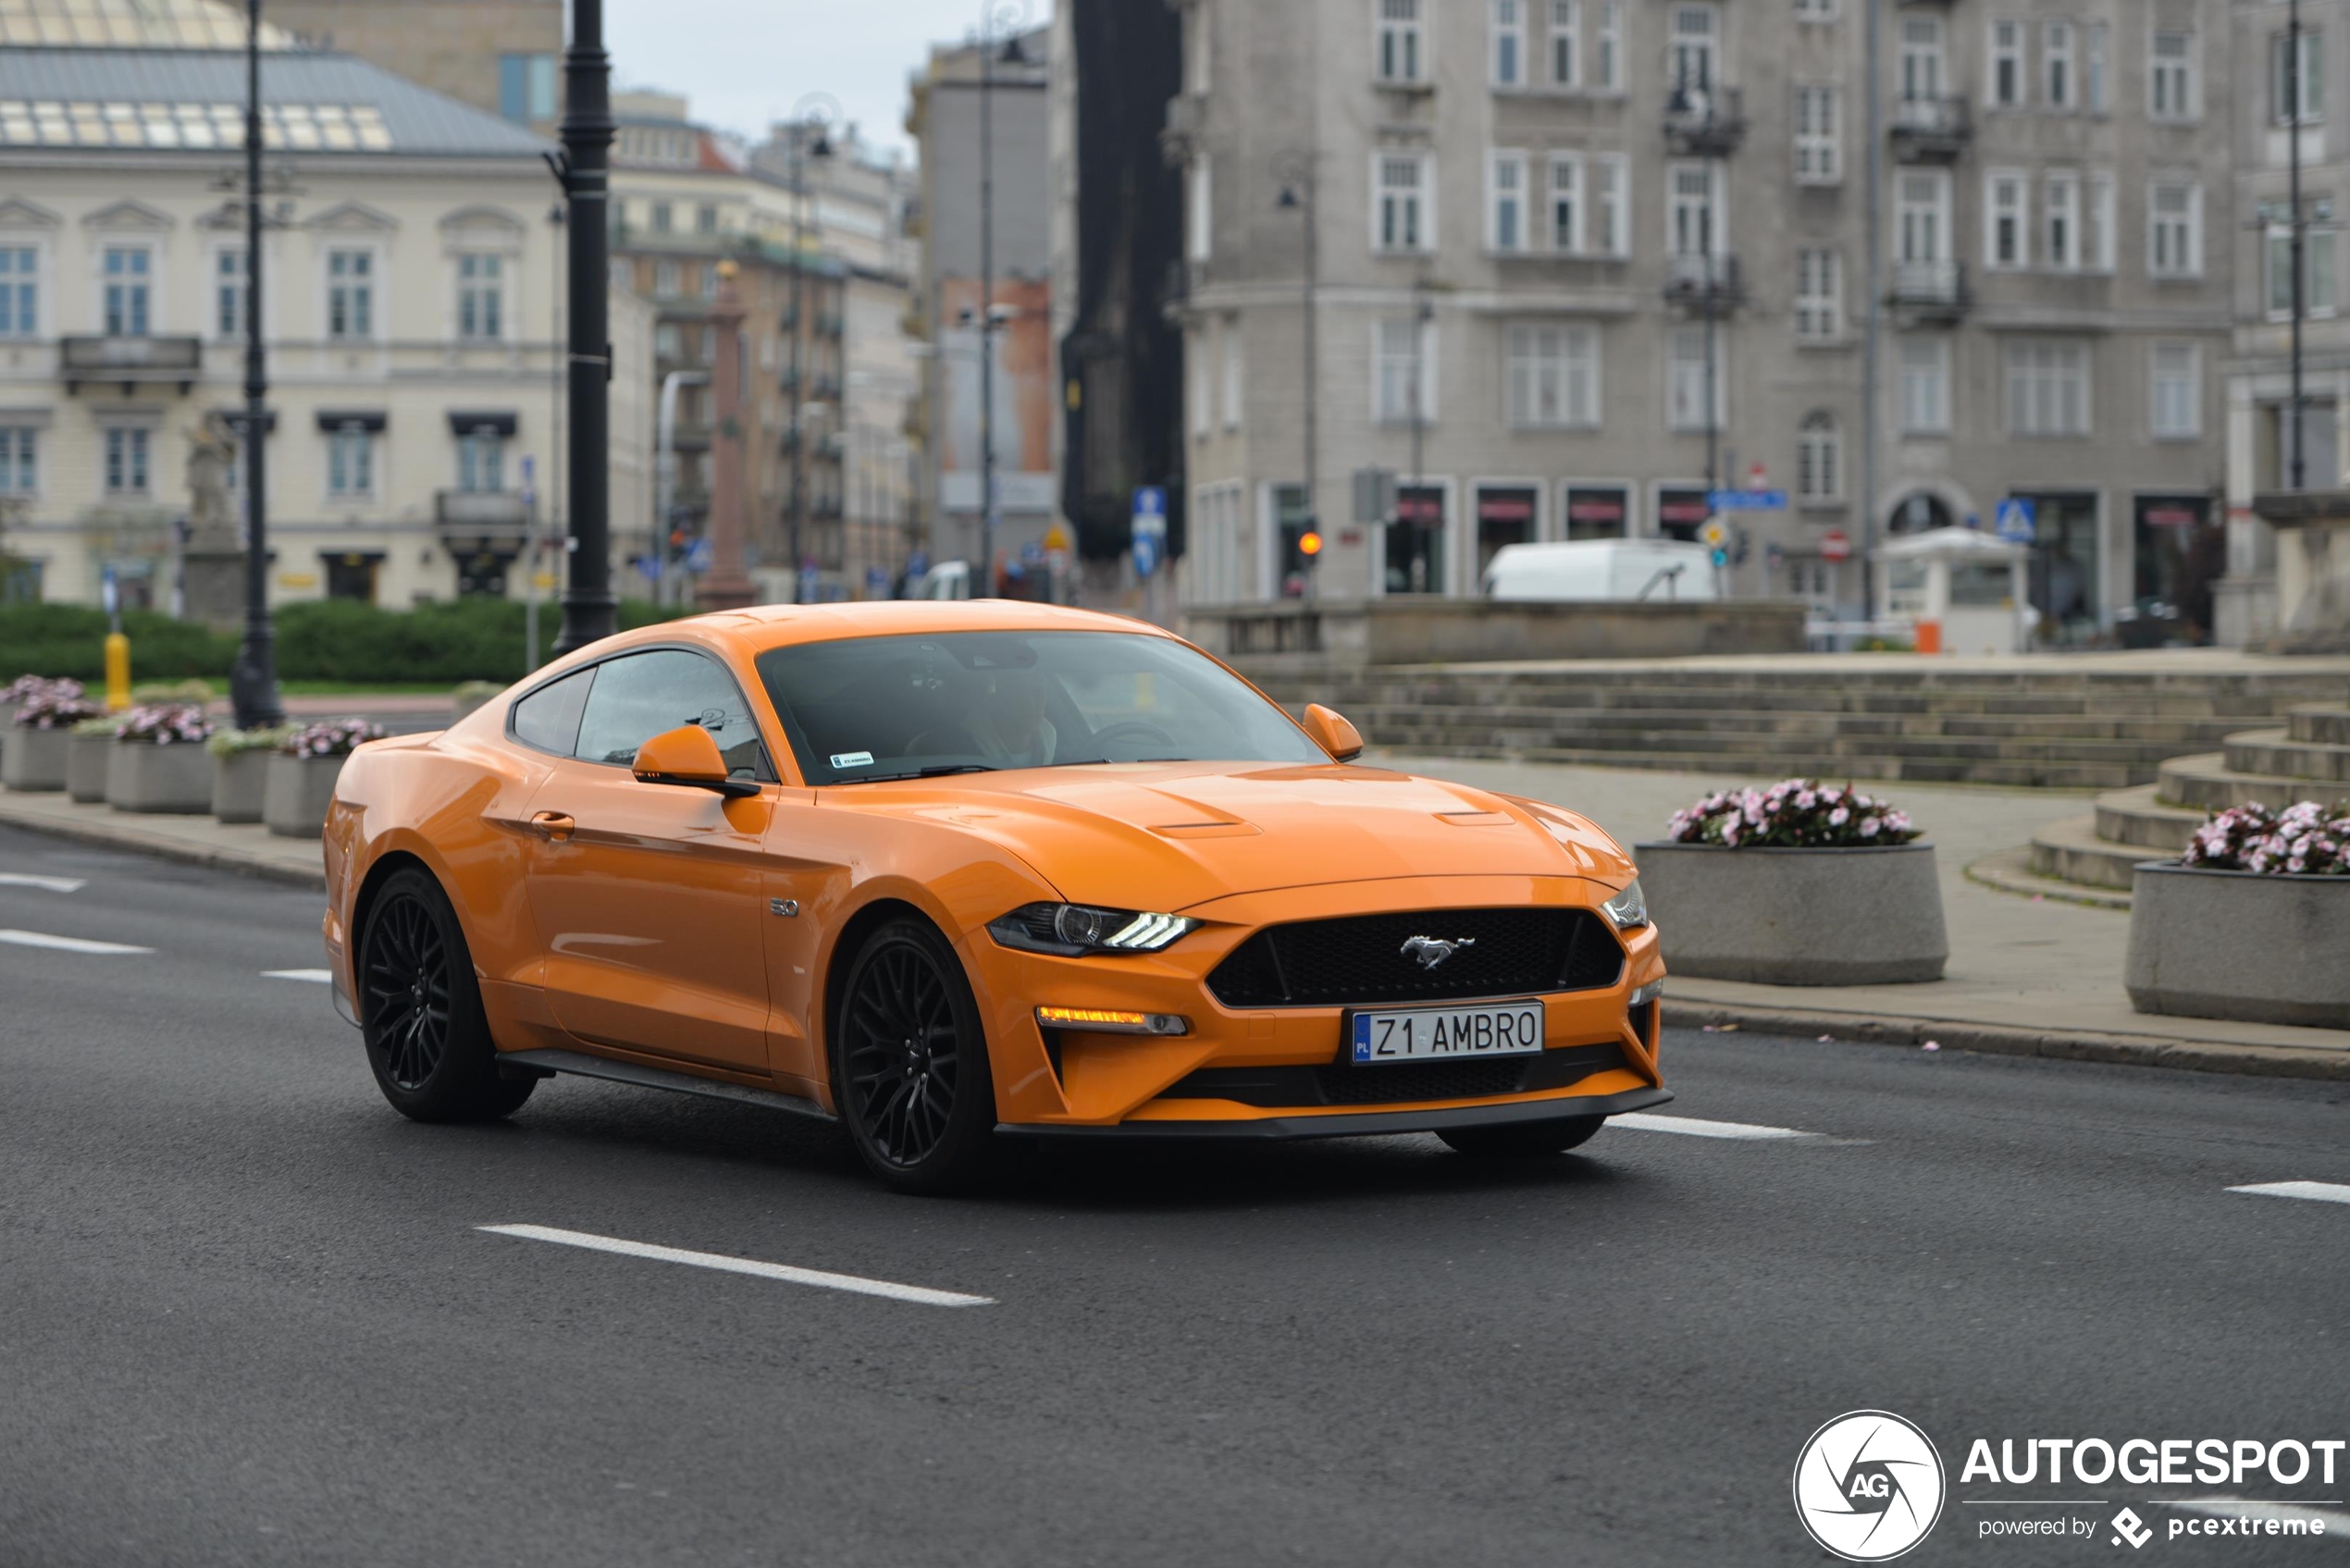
point(2335, 1524)
point(1640, 1122)
point(65, 943)
point(316, 977)
point(51, 884)
point(918, 1294)
point(2322, 1191)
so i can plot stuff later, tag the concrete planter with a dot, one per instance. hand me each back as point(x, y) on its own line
point(2238, 945)
point(175, 779)
point(297, 793)
point(239, 784)
point(1796, 916)
point(34, 760)
point(87, 758)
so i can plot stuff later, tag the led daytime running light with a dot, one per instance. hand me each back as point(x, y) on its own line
point(1109, 1020)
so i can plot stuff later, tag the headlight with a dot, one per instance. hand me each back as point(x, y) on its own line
point(1071, 930)
point(1627, 911)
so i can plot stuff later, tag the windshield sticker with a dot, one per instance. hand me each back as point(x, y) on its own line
point(852, 758)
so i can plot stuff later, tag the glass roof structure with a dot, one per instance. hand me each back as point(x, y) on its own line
point(131, 24)
point(326, 128)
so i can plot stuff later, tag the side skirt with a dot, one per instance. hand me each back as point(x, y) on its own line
point(546, 1064)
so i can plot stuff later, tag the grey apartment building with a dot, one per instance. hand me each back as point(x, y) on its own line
point(1573, 262)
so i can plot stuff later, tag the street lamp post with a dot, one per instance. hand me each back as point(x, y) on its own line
point(996, 20)
point(814, 117)
point(1301, 176)
point(590, 612)
point(253, 681)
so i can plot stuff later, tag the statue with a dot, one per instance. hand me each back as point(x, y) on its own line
point(213, 565)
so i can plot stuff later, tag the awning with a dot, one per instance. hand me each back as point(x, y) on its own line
point(463, 422)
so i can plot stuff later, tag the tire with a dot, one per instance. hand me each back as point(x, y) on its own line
point(908, 1061)
point(1524, 1140)
point(427, 1039)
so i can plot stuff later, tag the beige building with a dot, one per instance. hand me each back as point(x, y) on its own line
point(504, 57)
point(411, 304)
point(1581, 261)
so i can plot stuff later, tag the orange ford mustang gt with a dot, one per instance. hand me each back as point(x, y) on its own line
point(948, 872)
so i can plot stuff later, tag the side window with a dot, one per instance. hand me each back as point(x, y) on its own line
point(549, 718)
point(642, 695)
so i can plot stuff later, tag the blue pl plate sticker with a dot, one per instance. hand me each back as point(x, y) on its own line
point(852, 758)
point(1362, 1037)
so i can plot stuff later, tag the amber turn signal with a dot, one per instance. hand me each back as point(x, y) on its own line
point(1106, 1020)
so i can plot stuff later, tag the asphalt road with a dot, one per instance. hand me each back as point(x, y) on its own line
point(248, 1314)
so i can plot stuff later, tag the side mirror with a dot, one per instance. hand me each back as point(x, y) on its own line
point(688, 756)
point(1333, 733)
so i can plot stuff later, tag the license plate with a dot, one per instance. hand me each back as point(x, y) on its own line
point(1432, 1034)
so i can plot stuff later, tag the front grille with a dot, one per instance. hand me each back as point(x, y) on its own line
point(1345, 1084)
point(1360, 960)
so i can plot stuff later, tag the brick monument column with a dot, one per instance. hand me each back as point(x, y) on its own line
point(725, 585)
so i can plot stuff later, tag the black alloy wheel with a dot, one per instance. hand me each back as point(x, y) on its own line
point(420, 1009)
point(909, 1058)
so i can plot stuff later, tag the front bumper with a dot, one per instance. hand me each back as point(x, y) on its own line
point(1365, 1124)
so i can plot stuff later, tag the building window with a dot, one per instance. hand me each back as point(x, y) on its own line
point(2297, 84)
point(1200, 385)
point(351, 294)
point(2005, 83)
point(1818, 145)
point(20, 291)
point(2317, 272)
point(707, 281)
point(1819, 296)
point(1509, 43)
point(2097, 221)
point(2176, 408)
point(706, 218)
point(1696, 34)
point(1566, 204)
point(1608, 224)
point(663, 218)
point(2174, 229)
point(20, 459)
point(1553, 377)
point(2006, 242)
point(2096, 67)
point(130, 274)
point(1403, 382)
point(2056, 64)
point(1693, 202)
point(2048, 389)
point(126, 460)
point(229, 292)
point(1234, 373)
point(1403, 215)
point(665, 283)
point(1921, 56)
point(1921, 218)
point(1564, 58)
point(351, 463)
point(2062, 236)
point(1203, 219)
point(1505, 202)
point(1925, 386)
point(1201, 52)
point(481, 461)
point(2173, 91)
point(1819, 458)
point(1607, 47)
point(1815, 10)
point(1690, 361)
point(668, 343)
point(1402, 44)
point(481, 299)
point(526, 87)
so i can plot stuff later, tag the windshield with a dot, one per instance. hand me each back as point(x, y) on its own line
point(867, 709)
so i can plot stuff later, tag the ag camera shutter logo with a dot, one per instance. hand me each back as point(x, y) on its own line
point(1869, 1485)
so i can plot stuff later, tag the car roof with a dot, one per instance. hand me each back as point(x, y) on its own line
point(761, 628)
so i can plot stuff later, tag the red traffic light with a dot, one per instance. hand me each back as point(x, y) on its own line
point(1310, 545)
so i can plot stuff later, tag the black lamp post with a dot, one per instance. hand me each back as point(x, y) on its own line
point(1005, 20)
point(590, 611)
point(810, 137)
point(253, 680)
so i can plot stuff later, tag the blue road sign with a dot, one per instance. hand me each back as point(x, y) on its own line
point(698, 555)
point(918, 563)
point(1032, 553)
point(1150, 528)
point(876, 582)
point(2019, 519)
point(1747, 500)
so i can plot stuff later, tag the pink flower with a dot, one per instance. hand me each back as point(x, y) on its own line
point(1869, 828)
point(1839, 817)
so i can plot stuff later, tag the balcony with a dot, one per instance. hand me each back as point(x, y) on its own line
point(1703, 285)
point(482, 522)
point(1705, 122)
point(1931, 131)
point(129, 363)
point(1930, 292)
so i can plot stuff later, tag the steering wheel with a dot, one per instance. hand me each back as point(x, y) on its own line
point(1143, 727)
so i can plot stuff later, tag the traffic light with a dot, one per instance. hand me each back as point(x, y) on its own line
point(1310, 545)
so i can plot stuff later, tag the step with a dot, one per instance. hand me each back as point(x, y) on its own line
point(2140, 819)
point(2072, 851)
point(2208, 782)
point(2272, 753)
point(2318, 725)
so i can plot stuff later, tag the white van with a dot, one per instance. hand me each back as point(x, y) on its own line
point(948, 579)
point(1658, 570)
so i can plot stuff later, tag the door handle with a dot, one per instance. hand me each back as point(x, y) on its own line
point(555, 825)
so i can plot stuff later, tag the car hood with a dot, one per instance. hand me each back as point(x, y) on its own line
point(1171, 835)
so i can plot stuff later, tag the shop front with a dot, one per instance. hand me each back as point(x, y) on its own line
point(2179, 549)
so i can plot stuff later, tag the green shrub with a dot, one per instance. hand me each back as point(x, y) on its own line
point(70, 640)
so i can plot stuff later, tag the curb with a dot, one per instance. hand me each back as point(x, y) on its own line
point(2010, 871)
point(240, 861)
point(2128, 1050)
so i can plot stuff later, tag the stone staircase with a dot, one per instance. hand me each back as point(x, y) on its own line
point(2052, 725)
point(2307, 759)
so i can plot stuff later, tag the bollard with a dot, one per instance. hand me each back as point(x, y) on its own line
point(117, 672)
